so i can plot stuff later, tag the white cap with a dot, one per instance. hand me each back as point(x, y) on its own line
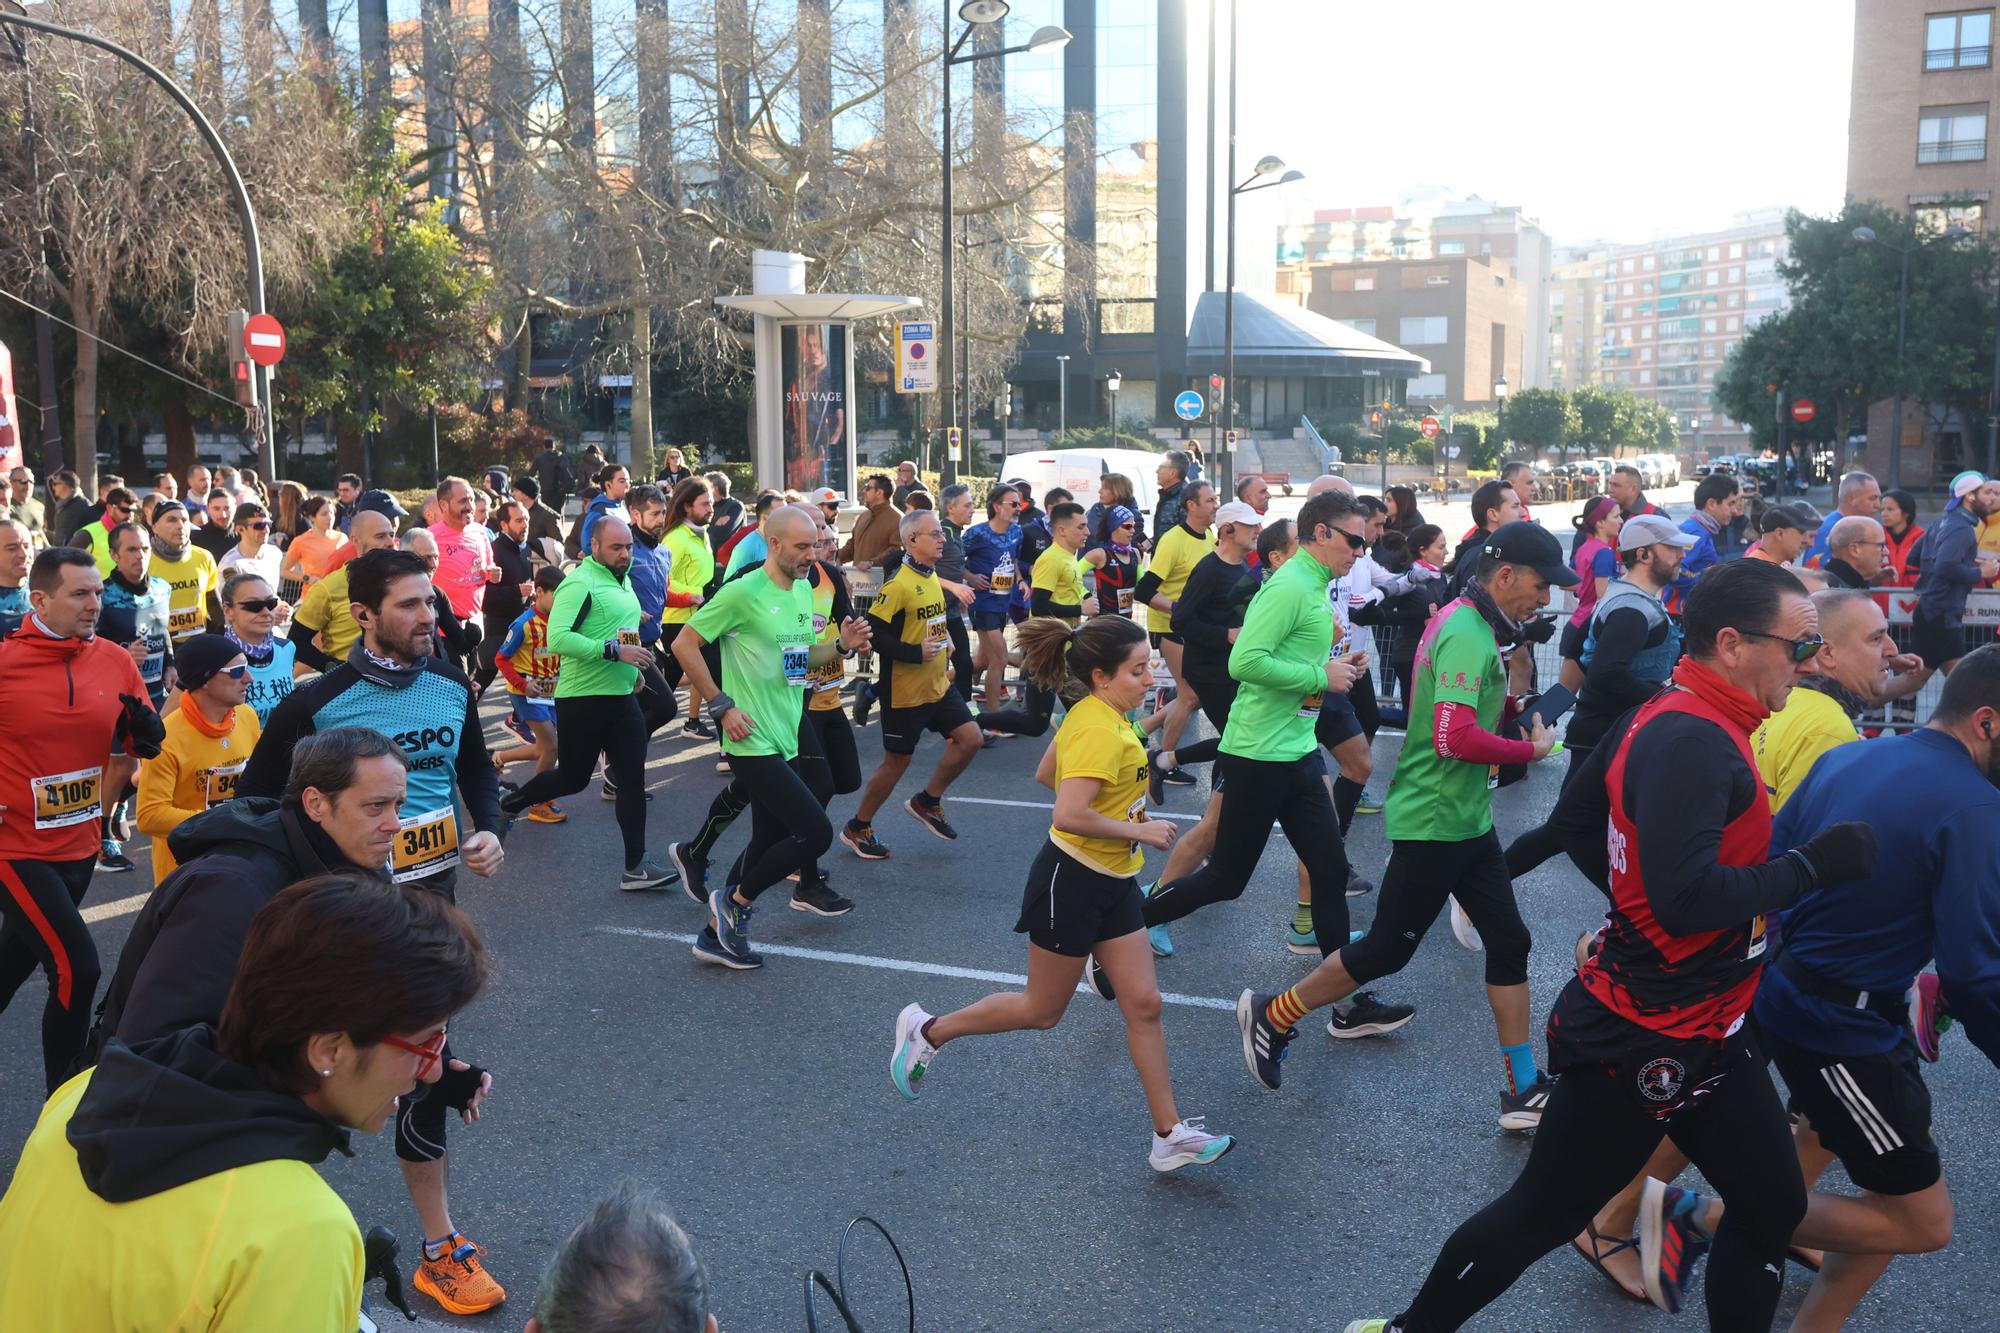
point(1236, 511)
point(825, 495)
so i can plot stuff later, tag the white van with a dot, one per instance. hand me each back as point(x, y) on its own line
point(1078, 470)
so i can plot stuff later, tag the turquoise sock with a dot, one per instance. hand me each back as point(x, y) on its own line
point(1521, 1064)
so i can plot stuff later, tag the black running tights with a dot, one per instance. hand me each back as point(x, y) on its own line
point(789, 829)
point(41, 925)
point(1420, 876)
point(1593, 1139)
point(588, 725)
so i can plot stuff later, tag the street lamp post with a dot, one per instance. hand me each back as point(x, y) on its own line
point(1500, 414)
point(45, 342)
point(1062, 394)
point(1111, 383)
point(1910, 245)
point(976, 14)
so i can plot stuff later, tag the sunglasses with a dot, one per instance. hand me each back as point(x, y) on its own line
point(256, 604)
point(1355, 541)
point(429, 1051)
point(235, 672)
point(260, 525)
point(1803, 650)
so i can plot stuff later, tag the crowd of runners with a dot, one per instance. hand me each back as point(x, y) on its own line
point(299, 723)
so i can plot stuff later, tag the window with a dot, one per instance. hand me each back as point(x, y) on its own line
point(1951, 134)
point(1958, 41)
point(1422, 330)
point(1628, 286)
point(1714, 253)
point(1451, 247)
point(1935, 219)
point(1364, 284)
point(1645, 377)
point(1645, 354)
point(1649, 261)
point(1646, 332)
point(1736, 274)
point(1714, 276)
point(1733, 324)
point(1736, 250)
point(1708, 326)
point(1366, 326)
point(1628, 266)
point(1709, 352)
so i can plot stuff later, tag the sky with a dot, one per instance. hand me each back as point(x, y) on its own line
point(1613, 121)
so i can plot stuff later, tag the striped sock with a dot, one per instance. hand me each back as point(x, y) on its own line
point(1521, 1071)
point(1286, 1010)
point(1302, 919)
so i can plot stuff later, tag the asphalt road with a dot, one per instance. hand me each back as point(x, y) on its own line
point(1017, 1188)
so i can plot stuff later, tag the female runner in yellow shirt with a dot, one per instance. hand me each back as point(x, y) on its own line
point(1082, 897)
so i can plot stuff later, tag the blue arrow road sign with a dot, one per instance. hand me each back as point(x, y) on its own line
point(1188, 405)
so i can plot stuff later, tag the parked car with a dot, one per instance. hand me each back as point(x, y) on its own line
point(1590, 479)
point(1723, 463)
point(1669, 466)
point(1650, 474)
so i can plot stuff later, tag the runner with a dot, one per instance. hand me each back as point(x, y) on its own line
point(1118, 576)
point(908, 618)
point(992, 567)
point(1832, 1015)
point(392, 683)
point(134, 617)
point(530, 670)
point(1177, 549)
point(1058, 591)
point(1644, 1040)
point(954, 511)
point(209, 738)
point(593, 626)
point(1440, 821)
point(1207, 616)
point(691, 569)
point(249, 616)
point(1596, 565)
point(764, 624)
point(87, 698)
point(189, 571)
point(1082, 899)
point(17, 551)
point(324, 630)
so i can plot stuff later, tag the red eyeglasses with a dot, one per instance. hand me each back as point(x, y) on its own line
point(430, 1050)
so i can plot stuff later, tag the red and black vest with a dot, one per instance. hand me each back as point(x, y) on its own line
point(1681, 986)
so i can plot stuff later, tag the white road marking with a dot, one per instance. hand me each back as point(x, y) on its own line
point(1050, 805)
point(116, 907)
point(898, 965)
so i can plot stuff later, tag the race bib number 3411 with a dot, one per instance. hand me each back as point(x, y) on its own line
point(425, 845)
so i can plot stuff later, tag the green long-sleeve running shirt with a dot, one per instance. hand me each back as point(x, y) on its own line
point(593, 607)
point(1280, 660)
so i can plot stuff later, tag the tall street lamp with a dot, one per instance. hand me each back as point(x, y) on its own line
point(1500, 413)
point(977, 14)
point(1910, 245)
point(1267, 167)
point(1111, 383)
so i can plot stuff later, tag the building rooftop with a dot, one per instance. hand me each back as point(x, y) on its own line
point(1276, 337)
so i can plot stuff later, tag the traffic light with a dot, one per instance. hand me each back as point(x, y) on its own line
point(242, 374)
point(1215, 384)
point(1003, 403)
point(1374, 418)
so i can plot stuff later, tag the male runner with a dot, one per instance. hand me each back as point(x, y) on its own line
point(907, 618)
point(189, 571)
point(1440, 820)
point(1207, 616)
point(393, 684)
point(324, 628)
point(1176, 551)
point(1645, 1039)
point(763, 623)
point(85, 699)
point(134, 616)
point(594, 627)
point(1057, 590)
point(17, 549)
point(1832, 1012)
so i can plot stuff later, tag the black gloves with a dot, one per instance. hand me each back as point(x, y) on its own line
point(140, 728)
point(1840, 853)
point(1539, 630)
point(458, 1086)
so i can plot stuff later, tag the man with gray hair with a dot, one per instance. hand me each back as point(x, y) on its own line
point(1171, 508)
point(22, 506)
point(1860, 496)
point(1854, 550)
point(628, 1267)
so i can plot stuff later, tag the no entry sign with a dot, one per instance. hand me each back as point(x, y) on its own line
point(1429, 427)
point(1804, 411)
point(264, 340)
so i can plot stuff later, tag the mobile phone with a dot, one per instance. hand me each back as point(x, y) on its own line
point(1553, 703)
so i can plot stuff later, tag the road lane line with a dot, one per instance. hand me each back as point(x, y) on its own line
point(116, 907)
point(897, 965)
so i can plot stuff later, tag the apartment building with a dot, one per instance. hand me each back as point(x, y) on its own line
point(1466, 315)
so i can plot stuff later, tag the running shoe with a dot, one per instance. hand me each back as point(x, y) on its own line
point(1671, 1241)
point(1263, 1045)
point(519, 729)
point(646, 875)
point(709, 949)
point(1522, 1110)
point(548, 812)
point(864, 700)
point(1178, 777)
point(1463, 930)
point(1930, 1017)
point(1187, 1144)
point(693, 872)
point(819, 899)
point(861, 839)
point(121, 820)
point(696, 729)
point(610, 792)
point(1302, 941)
point(1156, 779)
point(1358, 887)
point(1369, 804)
point(930, 814)
point(458, 1280)
point(722, 767)
point(912, 1057)
point(1160, 941)
point(111, 858)
point(1099, 981)
point(1370, 1326)
point(1365, 1016)
point(733, 923)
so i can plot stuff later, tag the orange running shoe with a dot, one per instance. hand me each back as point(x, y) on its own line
point(458, 1280)
point(548, 812)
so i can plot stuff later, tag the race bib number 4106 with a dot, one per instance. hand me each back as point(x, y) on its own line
point(66, 799)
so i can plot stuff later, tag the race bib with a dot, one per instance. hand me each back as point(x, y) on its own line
point(1002, 577)
point(66, 799)
point(934, 630)
point(218, 784)
point(1757, 939)
point(628, 638)
point(184, 621)
point(1309, 706)
point(797, 661)
point(1124, 601)
point(425, 845)
point(154, 669)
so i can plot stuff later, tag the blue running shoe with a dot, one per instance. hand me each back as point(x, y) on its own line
point(732, 929)
point(1671, 1241)
point(1302, 941)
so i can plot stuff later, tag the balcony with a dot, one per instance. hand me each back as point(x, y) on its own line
point(1951, 150)
point(1958, 57)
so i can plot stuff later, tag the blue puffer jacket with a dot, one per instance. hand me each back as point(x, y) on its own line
point(648, 577)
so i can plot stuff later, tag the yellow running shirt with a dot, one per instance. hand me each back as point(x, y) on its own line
point(1175, 555)
point(909, 612)
point(1097, 742)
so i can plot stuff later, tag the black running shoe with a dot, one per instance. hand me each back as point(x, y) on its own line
point(694, 872)
point(1522, 1111)
point(819, 899)
point(864, 699)
point(1176, 777)
point(1095, 977)
point(1358, 887)
point(1156, 779)
point(930, 814)
point(1263, 1045)
point(861, 838)
point(695, 729)
point(709, 949)
point(1365, 1016)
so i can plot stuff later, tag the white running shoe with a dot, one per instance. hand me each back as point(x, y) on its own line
point(1463, 929)
point(913, 1055)
point(1188, 1144)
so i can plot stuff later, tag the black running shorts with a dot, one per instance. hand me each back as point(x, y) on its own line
point(903, 727)
point(1067, 907)
point(1872, 1111)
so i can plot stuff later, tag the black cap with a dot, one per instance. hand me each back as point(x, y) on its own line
point(381, 502)
point(1786, 516)
point(1529, 544)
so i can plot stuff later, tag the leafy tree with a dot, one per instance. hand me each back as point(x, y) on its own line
point(1541, 419)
